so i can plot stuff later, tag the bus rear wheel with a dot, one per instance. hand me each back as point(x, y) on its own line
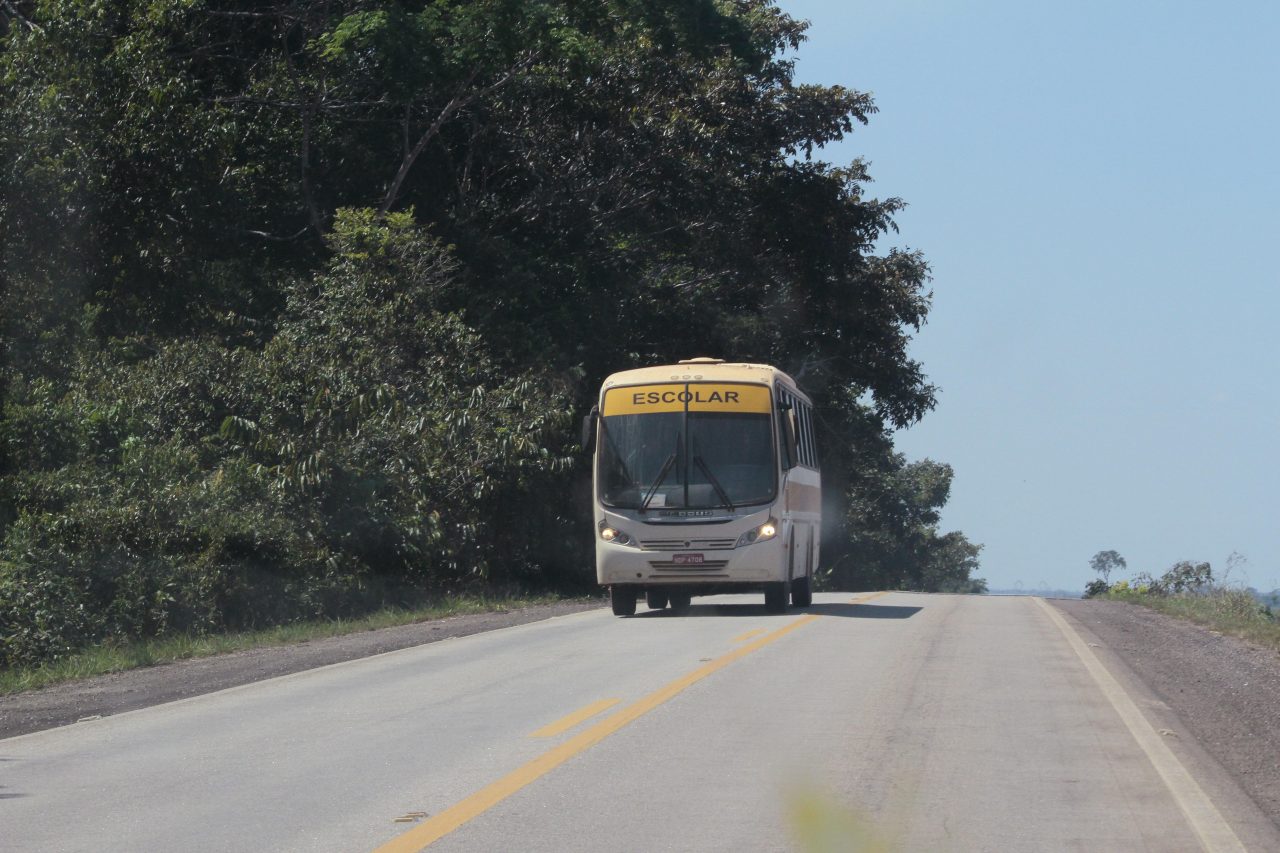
point(801, 592)
point(775, 596)
point(623, 600)
point(655, 598)
point(680, 603)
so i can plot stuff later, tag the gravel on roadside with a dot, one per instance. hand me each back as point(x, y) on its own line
point(1225, 690)
point(69, 702)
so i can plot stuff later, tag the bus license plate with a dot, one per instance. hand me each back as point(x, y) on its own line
point(686, 559)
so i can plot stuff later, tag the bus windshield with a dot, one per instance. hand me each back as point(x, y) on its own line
point(688, 459)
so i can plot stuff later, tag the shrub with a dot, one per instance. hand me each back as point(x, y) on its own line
point(1095, 588)
point(1187, 576)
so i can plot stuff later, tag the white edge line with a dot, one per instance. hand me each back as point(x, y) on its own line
point(1215, 834)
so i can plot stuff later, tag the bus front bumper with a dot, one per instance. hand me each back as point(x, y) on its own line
point(749, 565)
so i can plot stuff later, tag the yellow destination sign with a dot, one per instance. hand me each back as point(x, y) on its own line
point(696, 396)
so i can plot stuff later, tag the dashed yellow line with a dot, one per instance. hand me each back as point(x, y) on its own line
point(567, 722)
point(486, 798)
point(742, 638)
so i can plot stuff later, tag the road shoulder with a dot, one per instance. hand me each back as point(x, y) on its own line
point(1216, 698)
point(105, 695)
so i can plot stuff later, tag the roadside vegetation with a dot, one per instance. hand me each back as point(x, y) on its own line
point(117, 655)
point(301, 304)
point(1189, 590)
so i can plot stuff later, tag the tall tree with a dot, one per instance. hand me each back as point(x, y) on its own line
point(637, 169)
point(613, 183)
point(884, 516)
point(1106, 562)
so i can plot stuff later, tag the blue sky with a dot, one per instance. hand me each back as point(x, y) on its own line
point(1096, 186)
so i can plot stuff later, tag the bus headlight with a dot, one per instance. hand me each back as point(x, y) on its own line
point(764, 532)
point(612, 534)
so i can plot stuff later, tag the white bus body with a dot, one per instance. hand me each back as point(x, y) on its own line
point(705, 481)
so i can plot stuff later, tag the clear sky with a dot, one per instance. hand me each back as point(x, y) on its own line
point(1096, 186)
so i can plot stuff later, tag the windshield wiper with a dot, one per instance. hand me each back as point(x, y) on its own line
point(662, 475)
point(715, 484)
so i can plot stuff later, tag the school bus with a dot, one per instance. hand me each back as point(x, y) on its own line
point(706, 481)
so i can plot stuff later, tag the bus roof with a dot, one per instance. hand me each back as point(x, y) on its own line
point(695, 370)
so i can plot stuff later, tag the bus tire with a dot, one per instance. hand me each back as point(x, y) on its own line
point(680, 603)
point(801, 592)
point(655, 598)
point(776, 595)
point(623, 600)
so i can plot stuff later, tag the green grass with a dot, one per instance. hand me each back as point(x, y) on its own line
point(119, 656)
point(1227, 611)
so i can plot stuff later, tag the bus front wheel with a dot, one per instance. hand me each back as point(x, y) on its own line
point(655, 598)
point(623, 600)
point(680, 603)
point(776, 595)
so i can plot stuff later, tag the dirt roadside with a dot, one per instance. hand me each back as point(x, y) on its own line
point(1225, 691)
point(104, 695)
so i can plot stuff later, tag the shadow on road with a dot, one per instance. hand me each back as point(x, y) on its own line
point(864, 611)
point(710, 610)
point(851, 611)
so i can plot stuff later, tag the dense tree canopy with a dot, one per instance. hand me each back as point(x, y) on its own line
point(359, 261)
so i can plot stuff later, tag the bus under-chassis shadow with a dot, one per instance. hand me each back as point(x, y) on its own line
point(849, 611)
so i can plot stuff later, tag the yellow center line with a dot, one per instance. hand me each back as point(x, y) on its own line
point(747, 636)
point(440, 825)
point(865, 598)
point(565, 723)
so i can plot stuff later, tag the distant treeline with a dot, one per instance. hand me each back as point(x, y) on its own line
point(301, 301)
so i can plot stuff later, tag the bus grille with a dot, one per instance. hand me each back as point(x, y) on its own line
point(687, 544)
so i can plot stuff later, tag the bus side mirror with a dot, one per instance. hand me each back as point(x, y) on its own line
point(789, 436)
point(589, 430)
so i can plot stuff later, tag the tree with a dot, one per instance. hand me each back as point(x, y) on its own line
point(1105, 562)
point(884, 512)
point(368, 452)
point(213, 221)
point(581, 159)
point(949, 563)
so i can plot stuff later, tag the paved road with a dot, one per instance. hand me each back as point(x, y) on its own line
point(906, 722)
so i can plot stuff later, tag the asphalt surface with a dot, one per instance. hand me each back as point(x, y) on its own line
point(106, 695)
point(906, 721)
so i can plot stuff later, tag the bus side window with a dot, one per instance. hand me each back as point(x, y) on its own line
point(809, 437)
point(802, 419)
point(806, 443)
point(788, 430)
point(813, 441)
